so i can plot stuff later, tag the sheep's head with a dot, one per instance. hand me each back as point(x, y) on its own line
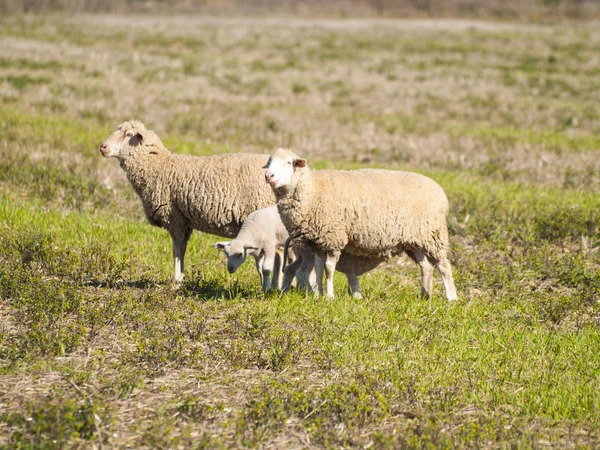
point(236, 253)
point(281, 168)
point(129, 137)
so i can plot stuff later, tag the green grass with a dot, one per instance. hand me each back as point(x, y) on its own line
point(97, 347)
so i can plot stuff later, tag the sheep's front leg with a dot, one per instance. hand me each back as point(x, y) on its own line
point(180, 239)
point(330, 261)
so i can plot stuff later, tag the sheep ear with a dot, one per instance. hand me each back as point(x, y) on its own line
point(136, 139)
point(266, 166)
point(221, 245)
point(299, 162)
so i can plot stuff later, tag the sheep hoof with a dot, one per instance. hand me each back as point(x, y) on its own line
point(357, 296)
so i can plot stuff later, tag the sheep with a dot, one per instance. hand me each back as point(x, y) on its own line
point(369, 213)
point(261, 233)
point(181, 193)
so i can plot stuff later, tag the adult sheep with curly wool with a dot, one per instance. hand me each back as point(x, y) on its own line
point(369, 213)
point(181, 193)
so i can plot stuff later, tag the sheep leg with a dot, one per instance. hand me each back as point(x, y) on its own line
point(277, 272)
point(306, 278)
point(426, 271)
point(180, 239)
point(445, 269)
point(258, 263)
point(331, 260)
point(316, 283)
point(353, 285)
point(290, 272)
point(267, 270)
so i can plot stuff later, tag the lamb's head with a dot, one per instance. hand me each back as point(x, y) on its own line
point(283, 169)
point(236, 252)
point(131, 137)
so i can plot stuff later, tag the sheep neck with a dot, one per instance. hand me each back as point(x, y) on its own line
point(295, 202)
point(147, 174)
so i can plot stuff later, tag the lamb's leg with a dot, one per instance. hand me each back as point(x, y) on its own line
point(258, 263)
point(445, 269)
point(331, 260)
point(426, 271)
point(277, 273)
point(267, 269)
point(180, 239)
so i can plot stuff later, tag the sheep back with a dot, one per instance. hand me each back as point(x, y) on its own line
point(368, 212)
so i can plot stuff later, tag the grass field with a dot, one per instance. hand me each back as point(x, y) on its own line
point(99, 350)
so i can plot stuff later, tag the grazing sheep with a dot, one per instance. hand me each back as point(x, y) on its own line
point(369, 213)
point(261, 233)
point(181, 193)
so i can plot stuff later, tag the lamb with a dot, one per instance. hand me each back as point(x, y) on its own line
point(261, 233)
point(369, 213)
point(181, 193)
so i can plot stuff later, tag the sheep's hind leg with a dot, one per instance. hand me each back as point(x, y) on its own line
point(445, 269)
point(354, 286)
point(180, 239)
point(426, 271)
point(315, 278)
point(330, 262)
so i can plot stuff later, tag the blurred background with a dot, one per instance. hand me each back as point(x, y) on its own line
point(402, 8)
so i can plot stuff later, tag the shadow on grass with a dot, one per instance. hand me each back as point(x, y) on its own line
point(215, 290)
point(142, 283)
point(198, 288)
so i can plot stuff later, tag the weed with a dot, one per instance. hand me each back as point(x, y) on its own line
point(54, 421)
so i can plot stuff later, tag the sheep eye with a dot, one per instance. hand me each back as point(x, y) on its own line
point(290, 163)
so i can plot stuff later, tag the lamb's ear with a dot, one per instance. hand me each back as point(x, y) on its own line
point(299, 162)
point(221, 245)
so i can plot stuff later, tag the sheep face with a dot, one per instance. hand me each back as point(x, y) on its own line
point(281, 168)
point(236, 253)
point(128, 138)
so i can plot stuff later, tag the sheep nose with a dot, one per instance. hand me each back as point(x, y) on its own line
point(268, 176)
point(104, 149)
point(231, 269)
